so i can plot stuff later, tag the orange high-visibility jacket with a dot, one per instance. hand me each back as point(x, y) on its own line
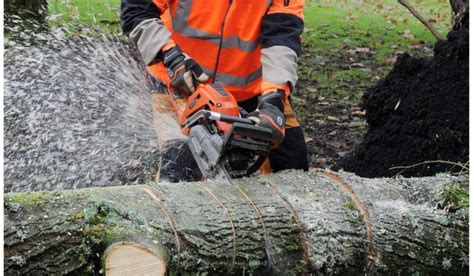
point(249, 46)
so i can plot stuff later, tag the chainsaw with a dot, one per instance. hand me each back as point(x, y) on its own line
point(223, 142)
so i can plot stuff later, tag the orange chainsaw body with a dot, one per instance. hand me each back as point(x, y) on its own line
point(224, 144)
point(212, 97)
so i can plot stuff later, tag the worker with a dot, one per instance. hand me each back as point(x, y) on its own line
point(248, 46)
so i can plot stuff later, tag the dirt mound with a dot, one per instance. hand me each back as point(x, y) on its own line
point(418, 112)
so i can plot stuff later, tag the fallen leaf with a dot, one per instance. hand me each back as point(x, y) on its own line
point(333, 119)
point(351, 52)
point(355, 124)
point(351, 16)
point(319, 115)
point(337, 144)
point(357, 64)
point(355, 108)
point(358, 113)
point(343, 154)
point(391, 60)
point(362, 50)
point(418, 46)
point(375, 78)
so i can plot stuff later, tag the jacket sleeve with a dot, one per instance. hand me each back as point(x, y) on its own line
point(281, 45)
point(141, 22)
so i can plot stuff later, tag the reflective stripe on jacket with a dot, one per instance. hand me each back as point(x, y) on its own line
point(234, 38)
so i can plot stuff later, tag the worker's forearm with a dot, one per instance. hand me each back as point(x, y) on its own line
point(279, 66)
point(281, 45)
point(149, 37)
point(140, 20)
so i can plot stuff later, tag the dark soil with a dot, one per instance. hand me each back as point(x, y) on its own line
point(333, 127)
point(418, 112)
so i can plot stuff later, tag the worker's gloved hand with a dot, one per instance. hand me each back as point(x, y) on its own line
point(183, 71)
point(269, 114)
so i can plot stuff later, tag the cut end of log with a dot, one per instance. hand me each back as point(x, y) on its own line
point(132, 259)
point(166, 123)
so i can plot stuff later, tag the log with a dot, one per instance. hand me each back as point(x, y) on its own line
point(290, 223)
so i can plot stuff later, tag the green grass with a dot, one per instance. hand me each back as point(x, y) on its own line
point(382, 28)
point(364, 27)
point(90, 12)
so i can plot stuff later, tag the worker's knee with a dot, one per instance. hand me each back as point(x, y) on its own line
point(292, 153)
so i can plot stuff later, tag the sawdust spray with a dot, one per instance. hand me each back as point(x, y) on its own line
point(78, 111)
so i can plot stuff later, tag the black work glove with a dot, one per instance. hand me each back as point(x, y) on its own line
point(183, 71)
point(269, 114)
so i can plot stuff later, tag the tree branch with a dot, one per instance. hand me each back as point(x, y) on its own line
point(421, 19)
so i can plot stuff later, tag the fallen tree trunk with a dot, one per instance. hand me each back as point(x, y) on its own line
point(286, 223)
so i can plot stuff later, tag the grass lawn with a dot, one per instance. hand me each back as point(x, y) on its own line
point(95, 12)
point(351, 44)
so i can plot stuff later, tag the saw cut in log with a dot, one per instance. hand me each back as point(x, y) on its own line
point(176, 160)
point(290, 223)
point(166, 122)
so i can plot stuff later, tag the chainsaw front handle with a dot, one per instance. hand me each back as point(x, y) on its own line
point(229, 119)
point(215, 116)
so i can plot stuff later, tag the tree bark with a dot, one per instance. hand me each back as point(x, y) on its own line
point(459, 13)
point(289, 223)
